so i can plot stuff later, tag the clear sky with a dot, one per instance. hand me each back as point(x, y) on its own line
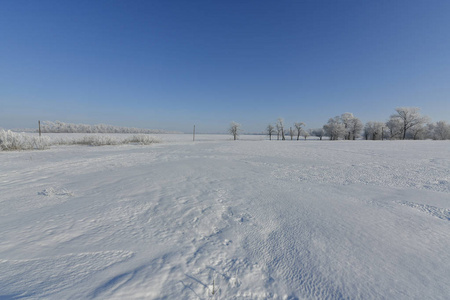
point(165, 64)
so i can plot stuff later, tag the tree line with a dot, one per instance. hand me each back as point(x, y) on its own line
point(405, 123)
point(61, 127)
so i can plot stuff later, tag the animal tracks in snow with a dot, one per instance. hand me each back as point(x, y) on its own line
point(55, 192)
point(441, 213)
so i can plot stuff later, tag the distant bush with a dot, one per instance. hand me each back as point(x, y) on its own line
point(10, 141)
point(141, 139)
point(97, 140)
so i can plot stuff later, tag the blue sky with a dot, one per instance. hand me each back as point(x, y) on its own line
point(171, 64)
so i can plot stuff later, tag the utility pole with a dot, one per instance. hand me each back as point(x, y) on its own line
point(39, 122)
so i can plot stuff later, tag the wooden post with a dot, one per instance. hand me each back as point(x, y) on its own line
point(39, 122)
point(193, 135)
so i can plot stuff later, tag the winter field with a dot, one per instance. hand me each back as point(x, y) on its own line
point(222, 219)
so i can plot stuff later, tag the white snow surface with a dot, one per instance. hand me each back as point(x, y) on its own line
point(222, 219)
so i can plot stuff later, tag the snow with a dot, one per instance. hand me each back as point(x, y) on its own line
point(261, 219)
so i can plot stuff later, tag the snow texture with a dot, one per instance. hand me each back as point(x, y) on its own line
point(222, 219)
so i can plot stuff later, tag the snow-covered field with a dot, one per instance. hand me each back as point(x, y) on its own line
point(218, 219)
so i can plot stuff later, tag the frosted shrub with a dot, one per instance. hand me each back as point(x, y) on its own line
point(141, 139)
point(103, 140)
point(15, 141)
point(97, 140)
point(41, 143)
point(10, 141)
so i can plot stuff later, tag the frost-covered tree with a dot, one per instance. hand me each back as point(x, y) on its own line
point(319, 132)
point(234, 129)
point(438, 131)
point(429, 128)
point(280, 127)
point(367, 131)
point(418, 132)
point(345, 126)
point(395, 128)
point(355, 128)
point(346, 119)
point(442, 130)
point(298, 127)
point(408, 117)
point(352, 124)
point(374, 130)
point(270, 130)
point(305, 133)
point(334, 129)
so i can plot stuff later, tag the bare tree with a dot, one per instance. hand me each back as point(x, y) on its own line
point(298, 127)
point(270, 130)
point(409, 117)
point(234, 129)
point(280, 126)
